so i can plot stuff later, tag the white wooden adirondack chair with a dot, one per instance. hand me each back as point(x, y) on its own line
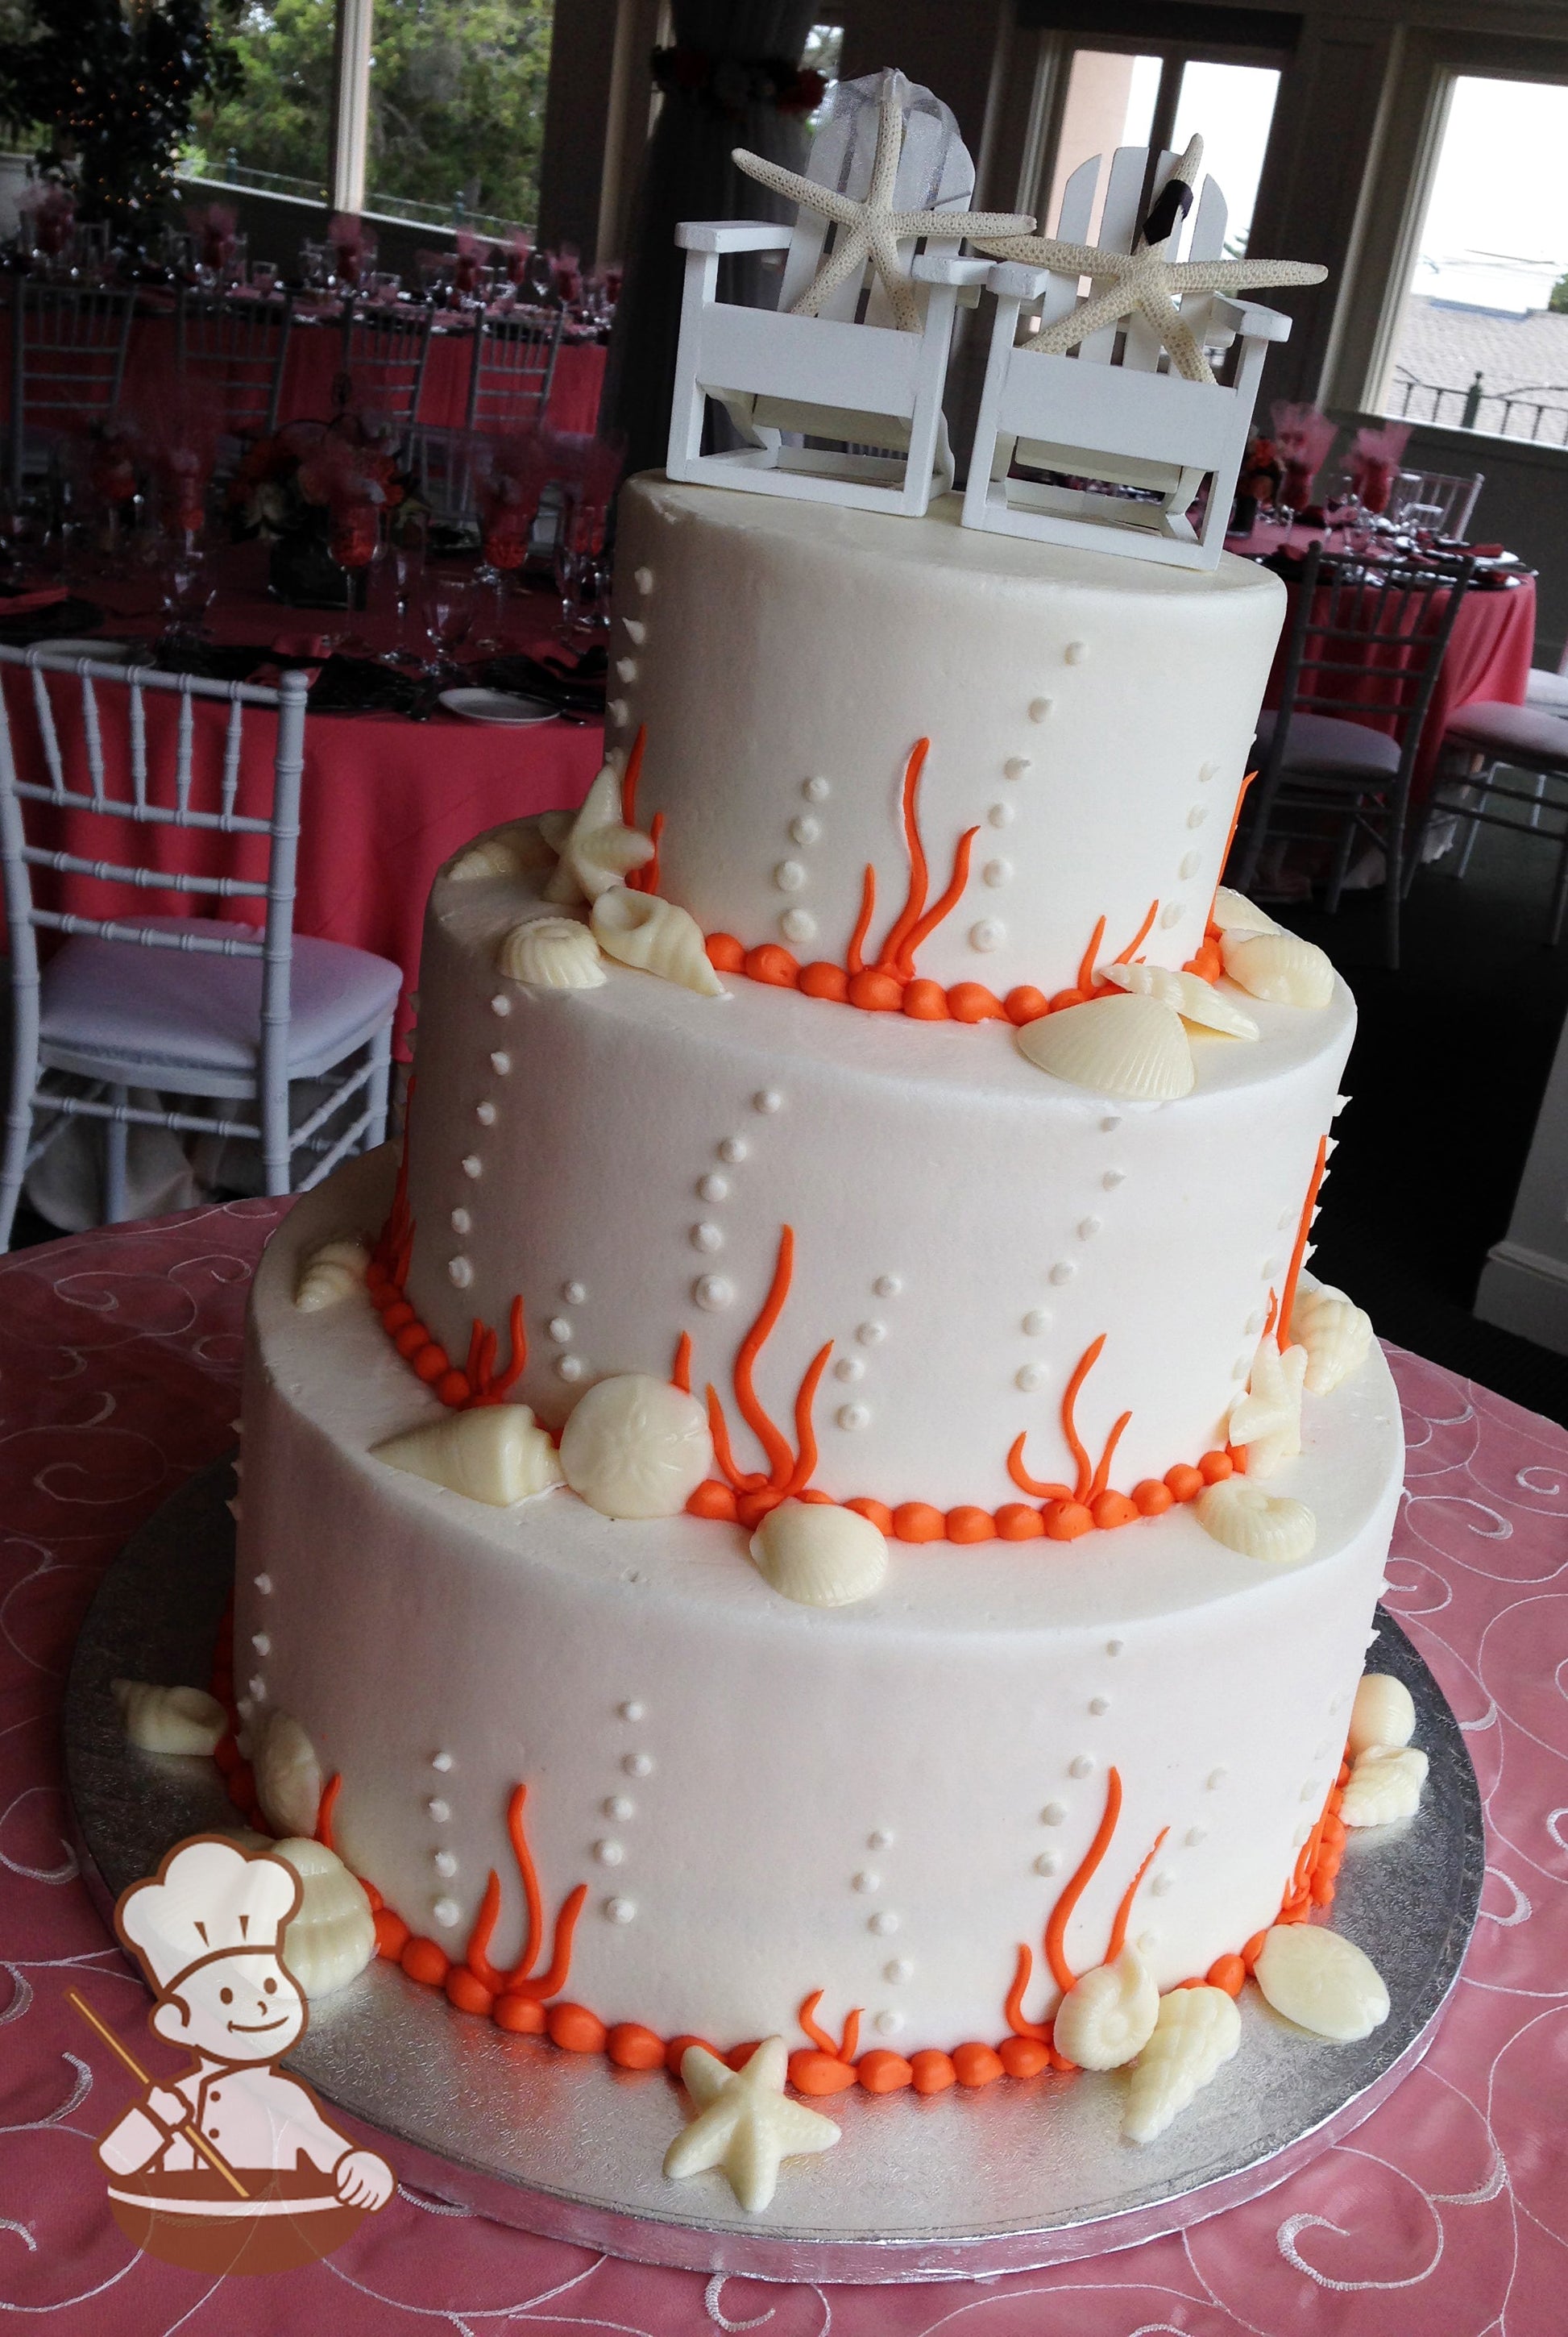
point(854, 379)
point(1110, 415)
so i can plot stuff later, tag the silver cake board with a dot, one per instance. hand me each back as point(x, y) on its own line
point(961, 2186)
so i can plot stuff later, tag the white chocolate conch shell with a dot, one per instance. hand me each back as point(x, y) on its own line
point(1384, 1713)
point(1336, 1334)
point(1321, 1982)
point(1195, 1001)
point(636, 1447)
point(1197, 2032)
point(1234, 913)
point(1117, 1046)
point(169, 1719)
point(1259, 1524)
point(641, 930)
point(552, 954)
point(1107, 2017)
point(288, 1778)
point(596, 851)
point(1267, 1421)
point(820, 1555)
point(330, 1937)
point(1279, 967)
point(1385, 1784)
point(333, 1271)
point(496, 1454)
point(518, 850)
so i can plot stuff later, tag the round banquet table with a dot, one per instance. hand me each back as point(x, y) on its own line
point(1445, 2213)
point(1488, 660)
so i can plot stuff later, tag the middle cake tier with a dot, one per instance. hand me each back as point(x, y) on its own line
point(633, 1164)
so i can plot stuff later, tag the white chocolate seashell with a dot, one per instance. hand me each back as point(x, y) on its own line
point(636, 1447)
point(820, 1555)
point(333, 1271)
point(169, 1719)
point(552, 954)
point(1259, 1524)
point(1197, 2032)
point(1117, 1046)
point(554, 828)
point(330, 1937)
point(1279, 967)
point(640, 929)
point(1384, 1713)
point(597, 850)
point(496, 1454)
point(1195, 1000)
point(1108, 2016)
point(1321, 1982)
point(1234, 913)
point(517, 850)
point(1385, 1784)
point(1336, 1334)
point(1267, 1421)
point(288, 1777)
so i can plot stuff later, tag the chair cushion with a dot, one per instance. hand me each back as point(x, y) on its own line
point(1321, 746)
point(1547, 690)
point(1524, 736)
point(155, 1011)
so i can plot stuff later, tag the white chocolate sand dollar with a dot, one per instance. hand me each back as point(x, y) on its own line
point(1321, 1982)
point(636, 1447)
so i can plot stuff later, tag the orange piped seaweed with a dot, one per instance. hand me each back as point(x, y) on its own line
point(842, 2048)
point(518, 1981)
point(788, 1472)
point(1299, 1255)
point(1092, 1479)
point(325, 1809)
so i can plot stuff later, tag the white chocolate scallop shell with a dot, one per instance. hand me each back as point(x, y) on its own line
point(1124, 1046)
point(1383, 1784)
point(1197, 2032)
point(288, 1777)
point(1195, 1000)
point(552, 954)
point(640, 929)
point(1279, 967)
point(496, 1454)
point(1257, 1523)
point(169, 1719)
point(1336, 1332)
point(1321, 1982)
point(636, 1447)
point(1108, 2015)
point(820, 1555)
point(1384, 1713)
point(517, 850)
point(330, 1937)
point(334, 1270)
point(1234, 913)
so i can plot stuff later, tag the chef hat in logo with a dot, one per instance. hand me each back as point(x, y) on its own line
point(209, 1898)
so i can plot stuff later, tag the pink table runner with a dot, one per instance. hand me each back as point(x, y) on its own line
point(1446, 2213)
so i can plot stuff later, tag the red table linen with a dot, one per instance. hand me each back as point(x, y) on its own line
point(1445, 2214)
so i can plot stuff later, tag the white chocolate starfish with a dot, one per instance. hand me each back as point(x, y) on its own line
point(1145, 280)
point(746, 2123)
point(596, 849)
point(1268, 1419)
point(874, 229)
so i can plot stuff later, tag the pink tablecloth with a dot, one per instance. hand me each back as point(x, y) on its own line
point(1445, 2214)
point(1488, 659)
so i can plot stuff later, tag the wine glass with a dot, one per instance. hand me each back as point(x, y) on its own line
point(187, 585)
point(353, 545)
point(447, 597)
point(582, 575)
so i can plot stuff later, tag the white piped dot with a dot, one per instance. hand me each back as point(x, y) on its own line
point(1171, 915)
point(1062, 1271)
point(264, 1584)
point(1036, 1321)
point(1161, 1883)
point(804, 830)
point(1088, 1228)
point(1197, 816)
point(560, 1330)
point(713, 1293)
point(1287, 1217)
point(888, 2024)
point(609, 1854)
point(485, 1113)
point(880, 1839)
point(1188, 865)
point(442, 1761)
point(445, 1862)
point(1049, 1861)
point(461, 1270)
point(642, 579)
point(853, 1416)
point(732, 1149)
point(1054, 1814)
point(1075, 653)
point(626, 669)
point(500, 1062)
point(997, 873)
point(713, 1187)
point(570, 1368)
point(439, 1810)
point(574, 1293)
point(884, 1922)
point(462, 1223)
point(707, 1237)
point(1194, 1835)
point(1302, 1836)
point(1040, 711)
point(1242, 1367)
point(850, 1367)
point(870, 1335)
point(1208, 771)
point(1115, 1646)
point(620, 1806)
point(987, 936)
point(1215, 1779)
point(798, 926)
point(1016, 765)
point(766, 1100)
point(259, 1687)
point(472, 1165)
point(1147, 1941)
point(866, 1880)
point(1081, 1765)
point(261, 1643)
point(1029, 1377)
point(620, 1911)
point(1110, 1123)
point(1099, 1705)
point(816, 790)
point(1112, 1178)
point(1000, 815)
point(638, 1765)
point(1255, 1322)
point(789, 876)
point(898, 1971)
point(447, 1912)
point(632, 1710)
point(501, 1005)
point(635, 630)
point(886, 1286)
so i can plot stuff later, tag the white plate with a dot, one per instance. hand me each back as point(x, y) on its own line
point(101, 652)
point(495, 706)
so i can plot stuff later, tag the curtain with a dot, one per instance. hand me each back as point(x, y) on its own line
point(688, 174)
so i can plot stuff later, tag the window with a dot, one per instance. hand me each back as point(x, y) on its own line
point(1110, 102)
point(274, 129)
point(1232, 108)
point(457, 92)
point(1481, 339)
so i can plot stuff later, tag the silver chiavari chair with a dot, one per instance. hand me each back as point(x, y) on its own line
point(68, 346)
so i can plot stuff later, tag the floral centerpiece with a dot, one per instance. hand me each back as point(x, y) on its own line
point(317, 492)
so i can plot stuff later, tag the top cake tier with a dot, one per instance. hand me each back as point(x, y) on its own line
point(1090, 717)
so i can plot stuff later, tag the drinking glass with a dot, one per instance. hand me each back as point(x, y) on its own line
point(188, 584)
point(582, 576)
point(447, 599)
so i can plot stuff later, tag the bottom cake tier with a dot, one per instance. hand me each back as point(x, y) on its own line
point(732, 1802)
